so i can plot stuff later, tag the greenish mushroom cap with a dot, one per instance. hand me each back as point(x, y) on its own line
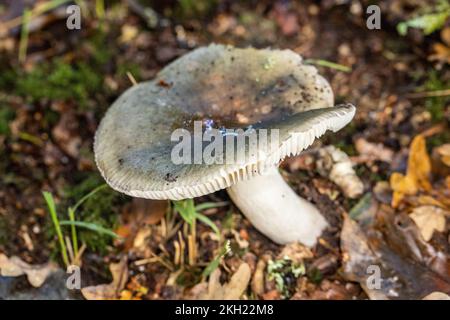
point(235, 88)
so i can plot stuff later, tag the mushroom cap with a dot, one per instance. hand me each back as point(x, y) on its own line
point(235, 88)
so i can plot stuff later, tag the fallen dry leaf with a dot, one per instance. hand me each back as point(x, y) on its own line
point(401, 185)
point(437, 296)
point(232, 290)
point(389, 249)
point(419, 164)
point(119, 272)
point(417, 175)
point(441, 51)
point(137, 216)
point(444, 152)
point(36, 274)
point(258, 277)
point(429, 219)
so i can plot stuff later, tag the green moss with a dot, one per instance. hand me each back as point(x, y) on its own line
point(131, 67)
point(6, 115)
point(438, 140)
point(58, 80)
point(436, 105)
point(194, 8)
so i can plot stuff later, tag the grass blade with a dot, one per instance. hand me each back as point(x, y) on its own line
point(90, 194)
point(90, 226)
point(329, 64)
point(216, 261)
point(23, 44)
point(52, 208)
point(74, 232)
point(209, 205)
point(208, 222)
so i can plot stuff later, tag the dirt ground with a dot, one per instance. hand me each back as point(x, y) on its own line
point(54, 92)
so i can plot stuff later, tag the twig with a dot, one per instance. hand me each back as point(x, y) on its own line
point(132, 79)
point(429, 94)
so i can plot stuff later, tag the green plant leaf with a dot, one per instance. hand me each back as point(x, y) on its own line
point(209, 205)
point(328, 64)
point(186, 210)
point(214, 264)
point(208, 222)
point(52, 209)
point(90, 194)
point(428, 23)
point(90, 226)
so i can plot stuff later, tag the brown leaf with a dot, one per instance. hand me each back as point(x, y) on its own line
point(409, 268)
point(258, 277)
point(437, 296)
point(429, 219)
point(36, 274)
point(119, 272)
point(440, 53)
point(232, 290)
point(444, 152)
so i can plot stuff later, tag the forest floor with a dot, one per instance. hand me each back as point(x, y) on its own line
point(56, 84)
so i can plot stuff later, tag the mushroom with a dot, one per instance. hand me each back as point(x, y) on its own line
point(223, 87)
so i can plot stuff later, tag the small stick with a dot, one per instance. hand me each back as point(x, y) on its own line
point(429, 94)
point(132, 79)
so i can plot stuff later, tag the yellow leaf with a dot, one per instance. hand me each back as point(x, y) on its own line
point(417, 175)
point(419, 164)
point(401, 185)
point(428, 200)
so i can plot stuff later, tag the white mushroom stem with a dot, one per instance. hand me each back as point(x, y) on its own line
point(276, 210)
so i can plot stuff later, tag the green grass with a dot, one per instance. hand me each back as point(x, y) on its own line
point(52, 209)
point(214, 264)
point(190, 213)
point(99, 208)
point(76, 221)
point(58, 80)
point(329, 64)
point(6, 115)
